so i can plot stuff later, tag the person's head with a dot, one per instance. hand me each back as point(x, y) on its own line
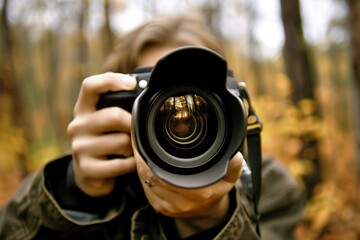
point(156, 37)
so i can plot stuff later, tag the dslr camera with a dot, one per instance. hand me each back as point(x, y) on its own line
point(188, 119)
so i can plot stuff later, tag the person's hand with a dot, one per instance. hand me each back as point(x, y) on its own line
point(98, 134)
point(194, 210)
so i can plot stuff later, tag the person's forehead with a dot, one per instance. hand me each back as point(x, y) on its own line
point(151, 55)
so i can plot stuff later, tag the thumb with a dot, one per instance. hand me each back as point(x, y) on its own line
point(234, 169)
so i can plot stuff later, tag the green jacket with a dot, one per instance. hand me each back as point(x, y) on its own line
point(34, 213)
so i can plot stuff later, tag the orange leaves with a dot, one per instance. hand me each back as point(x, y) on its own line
point(332, 212)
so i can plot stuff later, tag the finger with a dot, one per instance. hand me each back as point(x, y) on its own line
point(169, 203)
point(102, 169)
point(103, 145)
point(145, 173)
point(163, 200)
point(234, 169)
point(158, 185)
point(211, 192)
point(102, 121)
point(95, 85)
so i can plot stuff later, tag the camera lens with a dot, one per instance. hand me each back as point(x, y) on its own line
point(185, 123)
point(186, 129)
point(181, 129)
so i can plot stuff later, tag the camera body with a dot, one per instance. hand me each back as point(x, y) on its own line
point(125, 99)
point(188, 119)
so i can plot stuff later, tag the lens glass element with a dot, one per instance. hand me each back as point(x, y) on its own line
point(184, 124)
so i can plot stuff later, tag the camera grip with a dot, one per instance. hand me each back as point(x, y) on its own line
point(122, 99)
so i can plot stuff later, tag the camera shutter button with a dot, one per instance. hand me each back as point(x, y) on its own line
point(142, 84)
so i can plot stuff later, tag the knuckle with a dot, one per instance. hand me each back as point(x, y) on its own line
point(127, 151)
point(122, 146)
point(88, 83)
point(205, 195)
point(73, 127)
point(185, 208)
point(77, 125)
point(77, 147)
point(84, 169)
point(115, 115)
point(157, 206)
point(124, 141)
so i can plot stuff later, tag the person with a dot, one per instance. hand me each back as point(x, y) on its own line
point(85, 195)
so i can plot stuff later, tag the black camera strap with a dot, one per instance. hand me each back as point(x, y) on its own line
point(254, 154)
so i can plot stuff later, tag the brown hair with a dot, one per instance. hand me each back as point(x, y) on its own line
point(160, 31)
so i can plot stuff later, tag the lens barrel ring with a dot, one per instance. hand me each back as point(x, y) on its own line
point(168, 159)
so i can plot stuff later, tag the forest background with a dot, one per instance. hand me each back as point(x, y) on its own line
point(299, 59)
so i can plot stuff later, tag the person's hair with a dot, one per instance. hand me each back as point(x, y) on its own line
point(174, 31)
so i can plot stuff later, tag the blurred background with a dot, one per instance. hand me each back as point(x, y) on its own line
point(299, 58)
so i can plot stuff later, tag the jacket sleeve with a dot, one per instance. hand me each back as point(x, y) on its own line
point(282, 202)
point(34, 208)
point(281, 206)
point(239, 226)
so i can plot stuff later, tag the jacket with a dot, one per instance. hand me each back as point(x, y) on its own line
point(34, 212)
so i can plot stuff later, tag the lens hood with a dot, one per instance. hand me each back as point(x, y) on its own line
point(187, 125)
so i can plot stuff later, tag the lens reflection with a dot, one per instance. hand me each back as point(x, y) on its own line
point(185, 123)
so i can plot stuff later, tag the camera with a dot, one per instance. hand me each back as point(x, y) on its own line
point(188, 119)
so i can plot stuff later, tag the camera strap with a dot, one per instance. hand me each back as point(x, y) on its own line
point(254, 129)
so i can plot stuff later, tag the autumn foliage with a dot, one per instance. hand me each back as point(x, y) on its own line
point(48, 70)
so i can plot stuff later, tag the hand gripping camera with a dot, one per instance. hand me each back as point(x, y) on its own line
point(187, 122)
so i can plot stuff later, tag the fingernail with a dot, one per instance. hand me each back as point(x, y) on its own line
point(129, 81)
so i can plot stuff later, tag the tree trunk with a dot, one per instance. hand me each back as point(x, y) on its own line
point(299, 70)
point(297, 61)
point(253, 45)
point(354, 22)
point(108, 36)
point(82, 49)
point(10, 89)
